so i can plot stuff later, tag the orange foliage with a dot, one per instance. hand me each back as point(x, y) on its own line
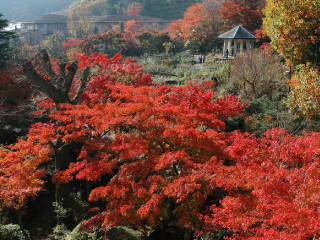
point(133, 9)
point(272, 187)
point(196, 18)
point(304, 96)
point(246, 13)
point(157, 142)
point(167, 156)
point(20, 177)
point(293, 27)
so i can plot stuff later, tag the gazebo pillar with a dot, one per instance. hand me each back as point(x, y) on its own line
point(235, 47)
point(229, 46)
point(224, 47)
point(241, 45)
point(248, 45)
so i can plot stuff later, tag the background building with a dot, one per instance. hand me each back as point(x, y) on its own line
point(37, 30)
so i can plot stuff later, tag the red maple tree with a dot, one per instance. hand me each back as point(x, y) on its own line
point(195, 23)
point(58, 81)
point(246, 13)
point(158, 143)
point(14, 94)
point(20, 175)
point(272, 187)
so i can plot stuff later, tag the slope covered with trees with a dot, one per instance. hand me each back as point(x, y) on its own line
point(27, 9)
point(24, 10)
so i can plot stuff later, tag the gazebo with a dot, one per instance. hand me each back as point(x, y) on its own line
point(239, 35)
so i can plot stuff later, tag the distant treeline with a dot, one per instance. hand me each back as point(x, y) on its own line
point(20, 10)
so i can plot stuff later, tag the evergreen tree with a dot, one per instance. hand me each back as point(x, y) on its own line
point(4, 40)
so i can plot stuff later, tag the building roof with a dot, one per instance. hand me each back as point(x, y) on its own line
point(125, 18)
point(49, 18)
point(53, 18)
point(237, 33)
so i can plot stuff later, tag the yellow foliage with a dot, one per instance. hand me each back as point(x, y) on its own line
point(293, 27)
point(71, 52)
point(304, 97)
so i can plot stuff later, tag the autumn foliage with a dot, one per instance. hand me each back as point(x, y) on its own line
point(199, 25)
point(134, 8)
point(293, 27)
point(158, 155)
point(272, 187)
point(203, 22)
point(304, 98)
point(20, 175)
point(193, 19)
point(130, 39)
point(158, 143)
point(14, 94)
point(161, 154)
point(246, 13)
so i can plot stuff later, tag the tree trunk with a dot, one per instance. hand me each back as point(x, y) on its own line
point(59, 92)
point(19, 217)
point(62, 161)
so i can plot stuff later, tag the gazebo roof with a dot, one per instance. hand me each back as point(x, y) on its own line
point(237, 33)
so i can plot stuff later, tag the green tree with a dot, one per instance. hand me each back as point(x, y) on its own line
point(151, 41)
point(5, 36)
point(100, 7)
point(165, 9)
point(79, 20)
point(54, 45)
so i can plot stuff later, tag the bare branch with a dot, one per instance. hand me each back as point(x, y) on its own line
point(68, 79)
point(43, 85)
point(62, 74)
point(45, 60)
point(82, 85)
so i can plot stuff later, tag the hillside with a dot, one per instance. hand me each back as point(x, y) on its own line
point(20, 10)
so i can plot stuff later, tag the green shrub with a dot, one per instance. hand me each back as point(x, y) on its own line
point(116, 233)
point(84, 235)
point(124, 233)
point(11, 232)
point(60, 232)
point(265, 113)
